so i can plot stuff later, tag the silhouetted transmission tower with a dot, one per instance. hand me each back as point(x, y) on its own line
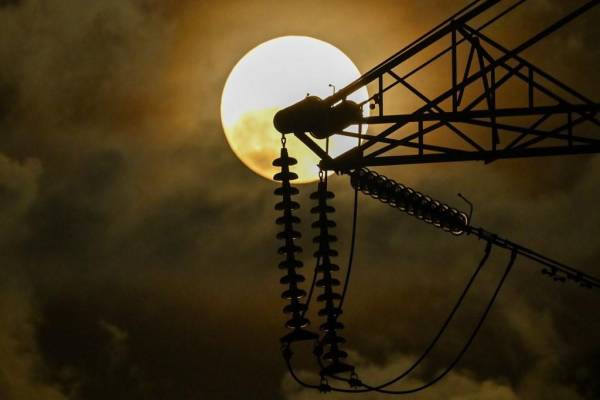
point(474, 124)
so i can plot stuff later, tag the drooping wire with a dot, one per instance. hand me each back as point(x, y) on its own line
point(450, 317)
point(312, 287)
point(491, 240)
point(287, 353)
point(444, 326)
point(380, 388)
point(459, 356)
point(353, 235)
point(352, 247)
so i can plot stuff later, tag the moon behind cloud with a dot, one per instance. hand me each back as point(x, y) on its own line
point(272, 76)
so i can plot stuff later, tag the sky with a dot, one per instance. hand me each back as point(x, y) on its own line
point(138, 253)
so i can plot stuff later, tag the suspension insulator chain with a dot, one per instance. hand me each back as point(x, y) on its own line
point(290, 264)
point(333, 355)
point(410, 201)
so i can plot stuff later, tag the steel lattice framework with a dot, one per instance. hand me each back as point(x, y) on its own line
point(489, 71)
point(497, 105)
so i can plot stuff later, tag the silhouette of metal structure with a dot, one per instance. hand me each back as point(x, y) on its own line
point(468, 122)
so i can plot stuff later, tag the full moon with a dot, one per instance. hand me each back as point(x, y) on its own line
point(272, 76)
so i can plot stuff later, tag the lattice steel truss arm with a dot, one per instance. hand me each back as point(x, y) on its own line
point(468, 120)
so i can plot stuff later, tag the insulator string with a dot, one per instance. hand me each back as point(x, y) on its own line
point(457, 222)
point(334, 355)
point(289, 235)
point(410, 201)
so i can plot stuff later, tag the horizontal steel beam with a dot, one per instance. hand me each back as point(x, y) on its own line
point(459, 116)
point(487, 156)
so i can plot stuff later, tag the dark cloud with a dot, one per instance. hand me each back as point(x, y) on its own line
point(9, 3)
point(22, 371)
point(138, 253)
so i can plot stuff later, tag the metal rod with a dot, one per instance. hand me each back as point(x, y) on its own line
point(407, 54)
point(485, 155)
point(461, 116)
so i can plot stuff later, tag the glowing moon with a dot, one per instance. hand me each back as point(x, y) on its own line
point(272, 76)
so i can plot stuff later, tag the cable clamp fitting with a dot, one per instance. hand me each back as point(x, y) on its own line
point(324, 385)
point(354, 382)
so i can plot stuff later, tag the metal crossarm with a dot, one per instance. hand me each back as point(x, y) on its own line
point(468, 122)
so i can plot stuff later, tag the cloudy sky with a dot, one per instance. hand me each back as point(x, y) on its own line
point(138, 253)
